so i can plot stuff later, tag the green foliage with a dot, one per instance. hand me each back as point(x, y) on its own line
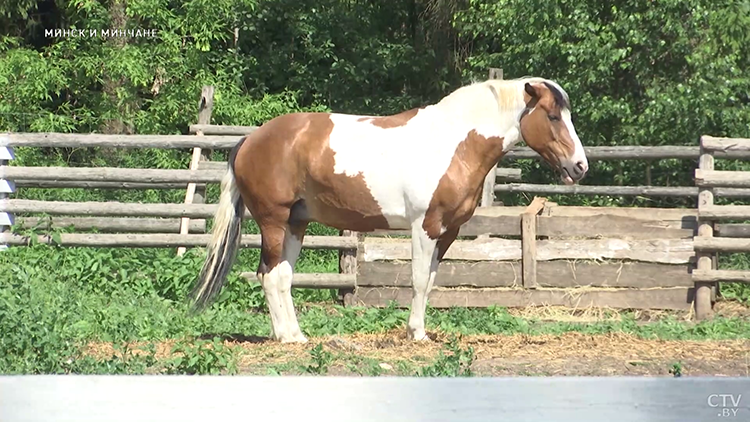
point(454, 361)
point(201, 357)
point(321, 359)
point(639, 73)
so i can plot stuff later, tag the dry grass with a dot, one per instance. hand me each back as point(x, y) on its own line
point(543, 349)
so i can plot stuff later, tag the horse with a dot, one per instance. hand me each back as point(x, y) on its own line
point(420, 170)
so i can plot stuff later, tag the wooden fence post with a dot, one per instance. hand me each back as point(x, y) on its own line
point(348, 265)
point(703, 290)
point(528, 242)
point(6, 188)
point(196, 194)
point(488, 189)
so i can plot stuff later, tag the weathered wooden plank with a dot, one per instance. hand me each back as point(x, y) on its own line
point(115, 224)
point(565, 273)
point(314, 280)
point(673, 191)
point(615, 226)
point(665, 251)
point(677, 298)
point(713, 276)
point(168, 240)
point(224, 130)
point(450, 274)
point(492, 249)
point(721, 244)
point(724, 145)
point(560, 273)
point(111, 174)
point(717, 178)
point(732, 230)
point(724, 212)
point(89, 140)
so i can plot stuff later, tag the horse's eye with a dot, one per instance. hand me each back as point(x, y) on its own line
point(553, 117)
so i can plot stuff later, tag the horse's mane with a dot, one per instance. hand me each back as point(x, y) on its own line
point(507, 92)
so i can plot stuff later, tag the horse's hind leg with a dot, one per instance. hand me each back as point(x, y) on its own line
point(280, 246)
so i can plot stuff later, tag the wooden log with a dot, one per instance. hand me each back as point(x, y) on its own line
point(194, 193)
point(677, 298)
point(75, 140)
point(507, 174)
point(224, 130)
point(724, 212)
point(168, 240)
point(665, 251)
point(714, 276)
point(559, 273)
point(90, 140)
point(732, 230)
point(110, 209)
point(82, 184)
point(724, 145)
point(720, 244)
point(650, 153)
point(315, 280)
point(716, 178)
point(111, 174)
point(114, 224)
point(686, 191)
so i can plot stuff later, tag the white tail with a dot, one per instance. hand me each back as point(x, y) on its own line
point(225, 241)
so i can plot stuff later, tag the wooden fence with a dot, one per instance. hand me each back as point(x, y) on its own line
point(507, 256)
point(712, 237)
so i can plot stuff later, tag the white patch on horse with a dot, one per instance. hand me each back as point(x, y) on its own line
point(579, 155)
point(402, 166)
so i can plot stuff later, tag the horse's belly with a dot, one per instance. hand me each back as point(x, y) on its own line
point(353, 203)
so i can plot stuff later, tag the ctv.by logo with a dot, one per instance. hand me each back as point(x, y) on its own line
point(727, 404)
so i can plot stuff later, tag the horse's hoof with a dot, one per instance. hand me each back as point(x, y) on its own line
point(296, 338)
point(418, 336)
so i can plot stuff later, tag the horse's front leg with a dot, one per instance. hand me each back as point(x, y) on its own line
point(424, 264)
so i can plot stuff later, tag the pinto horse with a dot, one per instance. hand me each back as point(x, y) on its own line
point(420, 170)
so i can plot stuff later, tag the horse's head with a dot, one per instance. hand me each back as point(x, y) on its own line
point(546, 128)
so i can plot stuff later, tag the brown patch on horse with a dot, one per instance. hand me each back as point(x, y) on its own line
point(457, 195)
point(550, 138)
point(287, 165)
point(388, 122)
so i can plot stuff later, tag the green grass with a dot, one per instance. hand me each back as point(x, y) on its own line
point(55, 300)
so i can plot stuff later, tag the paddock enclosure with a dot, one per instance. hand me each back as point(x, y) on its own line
point(543, 254)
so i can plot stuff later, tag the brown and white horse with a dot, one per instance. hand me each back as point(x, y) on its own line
point(422, 170)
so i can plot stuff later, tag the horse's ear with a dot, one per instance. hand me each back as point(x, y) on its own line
point(530, 90)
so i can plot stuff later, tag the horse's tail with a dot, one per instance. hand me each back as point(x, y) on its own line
point(225, 241)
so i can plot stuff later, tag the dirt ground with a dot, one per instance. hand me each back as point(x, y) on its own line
point(567, 354)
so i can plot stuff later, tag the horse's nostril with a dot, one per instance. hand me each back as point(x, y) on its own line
point(580, 167)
